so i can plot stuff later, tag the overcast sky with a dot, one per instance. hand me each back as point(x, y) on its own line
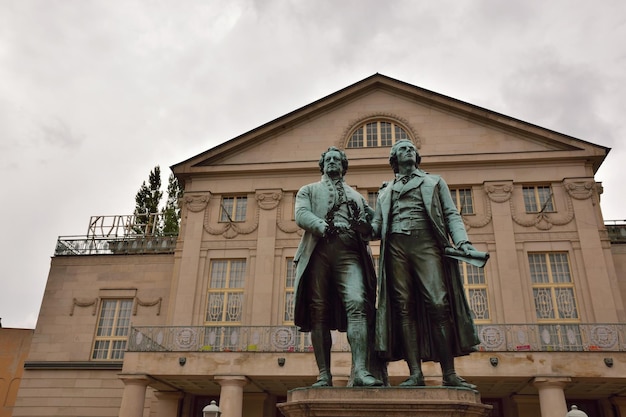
point(94, 94)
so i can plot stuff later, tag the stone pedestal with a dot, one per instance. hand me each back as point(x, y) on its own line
point(384, 401)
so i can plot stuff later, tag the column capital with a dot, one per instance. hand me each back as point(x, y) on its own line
point(551, 381)
point(231, 380)
point(135, 379)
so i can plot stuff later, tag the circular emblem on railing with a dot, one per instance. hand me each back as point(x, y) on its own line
point(282, 338)
point(491, 336)
point(603, 336)
point(186, 338)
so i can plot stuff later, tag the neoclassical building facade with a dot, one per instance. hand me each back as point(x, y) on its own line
point(136, 325)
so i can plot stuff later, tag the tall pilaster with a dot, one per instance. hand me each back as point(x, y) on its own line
point(552, 395)
point(134, 395)
point(508, 268)
point(583, 195)
point(187, 266)
point(264, 271)
point(231, 394)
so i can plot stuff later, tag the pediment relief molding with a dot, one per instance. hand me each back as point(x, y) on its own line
point(543, 220)
point(139, 303)
point(85, 303)
point(283, 221)
point(196, 202)
point(477, 220)
point(264, 200)
point(268, 199)
point(582, 188)
point(499, 192)
point(93, 303)
point(231, 230)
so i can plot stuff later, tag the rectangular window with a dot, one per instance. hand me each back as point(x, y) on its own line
point(112, 330)
point(538, 199)
point(476, 291)
point(372, 197)
point(225, 294)
point(463, 200)
point(400, 134)
point(372, 134)
point(356, 141)
point(233, 209)
point(553, 290)
point(386, 137)
point(290, 300)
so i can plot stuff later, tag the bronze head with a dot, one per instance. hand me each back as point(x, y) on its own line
point(393, 158)
point(344, 160)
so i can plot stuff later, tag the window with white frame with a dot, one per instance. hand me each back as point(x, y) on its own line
point(290, 300)
point(225, 293)
point(475, 287)
point(553, 289)
point(233, 209)
point(463, 200)
point(112, 330)
point(372, 198)
point(376, 134)
point(538, 199)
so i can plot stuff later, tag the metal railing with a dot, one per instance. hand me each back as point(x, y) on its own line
point(92, 245)
point(493, 338)
point(616, 230)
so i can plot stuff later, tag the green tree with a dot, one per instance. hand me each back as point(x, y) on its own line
point(171, 211)
point(147, 202)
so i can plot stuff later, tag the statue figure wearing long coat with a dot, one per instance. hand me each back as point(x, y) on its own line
point(422, 311)
point(335, 278)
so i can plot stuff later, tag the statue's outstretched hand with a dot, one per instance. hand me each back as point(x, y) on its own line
point(466, 247)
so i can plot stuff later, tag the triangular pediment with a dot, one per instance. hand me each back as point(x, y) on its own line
point(444, 129)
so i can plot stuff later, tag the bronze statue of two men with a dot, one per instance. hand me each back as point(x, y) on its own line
point(421, 313)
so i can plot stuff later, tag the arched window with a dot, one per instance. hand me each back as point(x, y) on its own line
point(376, 134)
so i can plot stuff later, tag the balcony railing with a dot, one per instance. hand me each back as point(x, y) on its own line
point(92, 245)
point(119, 235)
point(616, 230)
point(493, 337)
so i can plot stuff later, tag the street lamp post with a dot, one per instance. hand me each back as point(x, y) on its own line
point(575, 412)
point(211, 410)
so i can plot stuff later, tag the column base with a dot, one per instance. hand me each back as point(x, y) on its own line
point(384, 401)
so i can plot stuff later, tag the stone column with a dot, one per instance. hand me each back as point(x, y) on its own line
point(620, 405)
point(167, 404)
point(134, 395)
point(551, 395)
point(231, 395)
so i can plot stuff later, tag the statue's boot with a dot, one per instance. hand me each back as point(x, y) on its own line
point(320, 339)
point(442, 339)
point(357, 336)
point(412, 355)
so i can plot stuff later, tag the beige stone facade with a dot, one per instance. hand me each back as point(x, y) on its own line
point(209, 318)
point(14, 347)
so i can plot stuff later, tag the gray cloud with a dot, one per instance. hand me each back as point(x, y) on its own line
point(101, 92)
